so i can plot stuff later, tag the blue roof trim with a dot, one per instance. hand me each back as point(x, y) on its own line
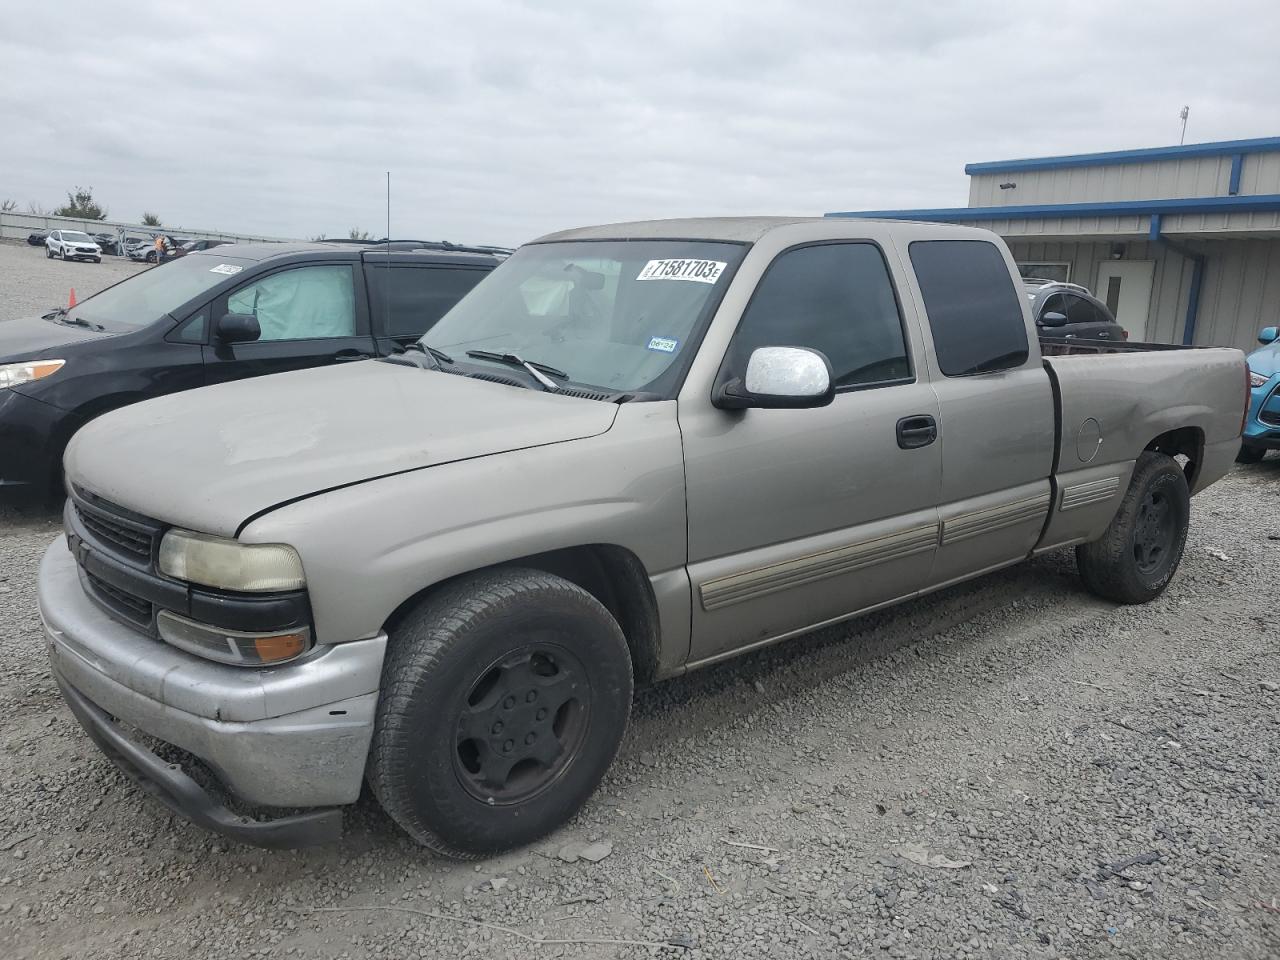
point(1220, 148)
point(1263, 203)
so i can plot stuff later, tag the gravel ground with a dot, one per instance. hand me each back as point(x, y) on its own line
point(32, 284)
point(1011, 768)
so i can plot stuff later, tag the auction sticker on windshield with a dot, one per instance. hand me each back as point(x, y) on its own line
point(229, 269)
point(699, 271)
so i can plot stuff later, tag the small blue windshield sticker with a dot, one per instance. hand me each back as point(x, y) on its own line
point(663, 344)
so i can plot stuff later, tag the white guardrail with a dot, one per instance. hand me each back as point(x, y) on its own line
point(17, 226)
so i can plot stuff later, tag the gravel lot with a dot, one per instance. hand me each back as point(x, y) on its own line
point(32, 284)
point(1007, 769)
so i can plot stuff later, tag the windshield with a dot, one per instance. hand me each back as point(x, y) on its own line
point(76, 235)
point(616, 314)
point(147, 296)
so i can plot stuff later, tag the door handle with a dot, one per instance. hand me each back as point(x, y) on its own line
point(917, 431)
point(343, 355)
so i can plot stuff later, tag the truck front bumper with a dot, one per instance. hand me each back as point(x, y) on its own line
point(296, 735)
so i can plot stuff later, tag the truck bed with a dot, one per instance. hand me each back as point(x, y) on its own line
point(1116, 400)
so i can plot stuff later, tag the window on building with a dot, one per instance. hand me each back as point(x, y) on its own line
point(1040, 270)
point(836, 298)
point(973, 308)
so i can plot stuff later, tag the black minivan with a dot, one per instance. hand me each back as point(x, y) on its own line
point(214, 315)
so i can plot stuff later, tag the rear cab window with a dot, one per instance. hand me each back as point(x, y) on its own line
point(973, 308)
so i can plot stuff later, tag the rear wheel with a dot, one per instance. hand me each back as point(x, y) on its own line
point(1136, 558)
point(1250, 454)
point(505, 697)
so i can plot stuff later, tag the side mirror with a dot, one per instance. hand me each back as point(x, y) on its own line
point(1053, 319)
point(779, 378)
point(1269, 335)
point(238, 328)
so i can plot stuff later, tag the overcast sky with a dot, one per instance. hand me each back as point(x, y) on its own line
point(504, 120)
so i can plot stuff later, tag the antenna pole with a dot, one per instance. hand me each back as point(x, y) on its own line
point(386, 281)
point(1184, 113)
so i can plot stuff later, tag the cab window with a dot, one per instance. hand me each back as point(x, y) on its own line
point(303, 303)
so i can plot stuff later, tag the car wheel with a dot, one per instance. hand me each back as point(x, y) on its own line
point(505, 697)
point(63, 251)
point(1250, 454)
point(97, 259)
point(48, 254)
point(1138, 555)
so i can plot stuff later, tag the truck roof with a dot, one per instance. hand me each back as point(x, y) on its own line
point(744, 229)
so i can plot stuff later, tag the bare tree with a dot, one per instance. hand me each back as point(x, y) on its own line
point(7, 206)
point(355, 233)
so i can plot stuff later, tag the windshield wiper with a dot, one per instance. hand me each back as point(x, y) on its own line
point(54, 314)
point(79, 322)
point(439, 355)
point(541, 372)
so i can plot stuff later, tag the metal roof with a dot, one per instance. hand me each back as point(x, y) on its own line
point(1266, 203)
point(1144, 155)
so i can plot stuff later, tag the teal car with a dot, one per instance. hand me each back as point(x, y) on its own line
point(1262, 426)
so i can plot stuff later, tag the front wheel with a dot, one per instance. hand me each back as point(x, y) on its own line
point(1138, 555)
point(1250, 454)
point(48, 254)
point(505, 697)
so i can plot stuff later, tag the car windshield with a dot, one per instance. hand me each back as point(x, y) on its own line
point(615, 314)
point(147, 296)
point(76, 235)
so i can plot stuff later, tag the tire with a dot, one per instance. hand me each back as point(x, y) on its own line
point(483, 655)
point(1250, 454)
point(64, 254)
point(97, 259)
point(1138, 555)
point(48, 254)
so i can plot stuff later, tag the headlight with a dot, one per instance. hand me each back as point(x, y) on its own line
point(1255, 379)
point(230, 564)
point(12, 374)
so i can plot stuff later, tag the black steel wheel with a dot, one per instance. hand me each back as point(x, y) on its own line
point(521, 724)
point(505, 696)
point(1139, 553)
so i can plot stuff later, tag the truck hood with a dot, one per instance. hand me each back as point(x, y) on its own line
point(210, 459)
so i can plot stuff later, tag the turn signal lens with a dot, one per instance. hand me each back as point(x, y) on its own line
point(232, 646)
point(13, 374)
point(1257, 379)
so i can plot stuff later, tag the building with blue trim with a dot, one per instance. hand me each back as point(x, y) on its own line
point(1183, 243)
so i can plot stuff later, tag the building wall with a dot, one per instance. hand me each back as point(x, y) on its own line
point(1155, 180)
point(1240, 288)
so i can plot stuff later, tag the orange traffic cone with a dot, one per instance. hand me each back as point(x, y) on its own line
point(72, 302)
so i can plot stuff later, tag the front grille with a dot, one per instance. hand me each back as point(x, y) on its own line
point(133, 542)
point(125, 605)
point(1271, 416)
point(117, 531)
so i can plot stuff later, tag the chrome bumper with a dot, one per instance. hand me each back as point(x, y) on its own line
point(296, 735)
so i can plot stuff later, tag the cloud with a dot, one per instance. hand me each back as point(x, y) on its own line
point(504, 120)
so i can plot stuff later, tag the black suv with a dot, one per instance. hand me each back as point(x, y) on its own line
point(1070, 310)
point(209, 317)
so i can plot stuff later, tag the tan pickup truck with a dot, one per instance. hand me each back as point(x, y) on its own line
point(631, 451)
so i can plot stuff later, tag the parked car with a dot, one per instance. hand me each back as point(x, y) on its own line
point(194, 246)
point(72, 245)
point(209, 319)
point(37, 238)
point(1262, 425)
point(145, 252)
point(631, 451)
point(108, 242)
point(1070, 310)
